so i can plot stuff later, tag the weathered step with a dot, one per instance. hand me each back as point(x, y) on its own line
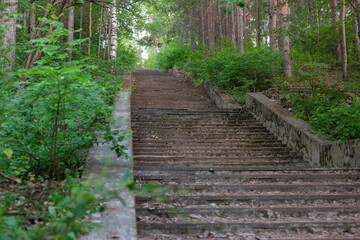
point(314, 227)
point(258, 199)
point(250, 212)
point(268, 188)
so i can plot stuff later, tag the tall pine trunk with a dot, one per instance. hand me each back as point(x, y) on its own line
point(258, 23)
point(192, 39)
point(357, 29)
point(220, 17)
point(343, 40)
point(90, 29)
point(240, 29)
point(211, 27)
point(203, 14)
point(101, 23)
point(33, 17)
point(272, 24)
point(70, 36)
point(288, 63)
point(335, 20)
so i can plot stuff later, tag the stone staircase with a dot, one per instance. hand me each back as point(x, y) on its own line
point(241, 182)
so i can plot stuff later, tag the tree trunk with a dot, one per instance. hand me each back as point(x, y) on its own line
point(335, 20)
point(9, 39)
point(240, 29)
point(191, 28)
point(82, 10)
point(272, 24)
point(258, 23)
point(106, 34)
point(249, 19)
point(233, 28)
point(343, 42)
point(33, 17)
point(357, 29)
point(211, 27)
point(113, 36)
point(227, 23)
point(101, 22)
point(109, 35)
point(90, 28)
point(26, 20)
point(220, 16)
point(318, 24)
point(288, 64)
point(70, 36)
point(203, 11)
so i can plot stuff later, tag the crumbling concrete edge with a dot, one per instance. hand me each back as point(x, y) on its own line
point(318, 151)
point(217, 95)
point(118, 220)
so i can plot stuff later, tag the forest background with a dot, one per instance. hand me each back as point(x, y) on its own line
point(62, 63)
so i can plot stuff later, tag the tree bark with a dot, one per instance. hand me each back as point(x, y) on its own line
point(106, 35)
point(191, 27)
point(335, 20)
point(82, 10)
point(358, 15)
point(258, 23)
point(90, 28)
point(211, 27)
point(272, 24)
point(101, 22)
point(288, 63)
point(114, 28)
point(26, 20)
point(70, 36)
point(343, 42)
point(356, 32)
point(203, 12)
point(220, 16)
point(233, 27)
point(33, 17)
point(9, 39)
point(240, 29)
point(318, 24)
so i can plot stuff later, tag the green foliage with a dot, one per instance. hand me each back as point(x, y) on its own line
point(339, 122)
point(49, 120)
point(172, 55)
point(62, 212)
point(237, 73)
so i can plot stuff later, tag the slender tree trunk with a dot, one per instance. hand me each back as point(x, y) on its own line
point(191, 28)
point(318, 24)
point(288, 63)
point(106, 35)
point(343, 42)
point(26, 20)
point(203, 11)
point(249, 20)
point(335, 20)
point(70, 36)
point(9, 39)
point(233, 28)
point(240, 29)
point(227, 23)
point(109, 36)
point(258, 23)
point(357, 29)
point(90, 28)
point(101, 23)
point(114, 28)
point(272, 24)
point(220, 17)
point(211, 27)
point(33, 17)
point(82, 11)
point(358, 15)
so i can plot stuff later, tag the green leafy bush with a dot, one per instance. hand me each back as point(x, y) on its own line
point(237, 73)
point(172, 55)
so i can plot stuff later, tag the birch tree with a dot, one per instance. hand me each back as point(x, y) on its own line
point(9, 39)
point(113, 32)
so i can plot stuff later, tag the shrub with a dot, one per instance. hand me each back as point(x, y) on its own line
point(172, 55)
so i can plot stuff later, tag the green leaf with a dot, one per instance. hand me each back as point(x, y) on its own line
point(52, 211)
point(8, 152)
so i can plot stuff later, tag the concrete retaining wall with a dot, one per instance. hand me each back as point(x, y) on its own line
point(318, 151)
point(118, 221)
